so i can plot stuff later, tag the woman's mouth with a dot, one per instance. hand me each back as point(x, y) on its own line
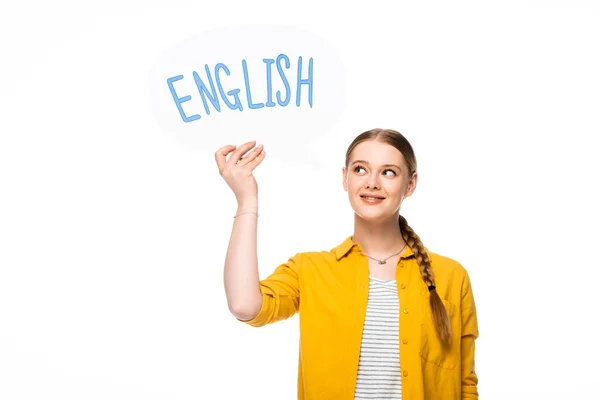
point(372, 200)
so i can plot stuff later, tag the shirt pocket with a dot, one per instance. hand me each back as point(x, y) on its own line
point(431, 348)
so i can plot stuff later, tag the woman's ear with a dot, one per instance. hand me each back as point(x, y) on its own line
point(344, 179)
point(412, 185)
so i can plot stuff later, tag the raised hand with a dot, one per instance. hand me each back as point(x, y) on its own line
point(237, 170)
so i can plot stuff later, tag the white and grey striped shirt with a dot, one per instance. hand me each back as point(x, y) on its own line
point(379, 363)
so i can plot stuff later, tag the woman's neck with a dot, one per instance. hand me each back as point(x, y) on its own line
point(378, 240)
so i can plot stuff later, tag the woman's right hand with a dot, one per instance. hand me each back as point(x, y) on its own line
point(237, 171)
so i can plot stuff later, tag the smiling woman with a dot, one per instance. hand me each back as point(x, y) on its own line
point(381, 316)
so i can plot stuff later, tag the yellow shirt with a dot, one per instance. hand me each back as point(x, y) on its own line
point(330, 290)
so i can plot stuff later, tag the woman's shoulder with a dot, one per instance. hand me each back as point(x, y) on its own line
point(445, 265)
point(325, 256)
point(317, 258)
point(450, 276)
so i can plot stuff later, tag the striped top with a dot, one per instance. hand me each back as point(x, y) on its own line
point(379, 363)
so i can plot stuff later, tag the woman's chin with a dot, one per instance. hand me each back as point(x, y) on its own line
point(371, 215)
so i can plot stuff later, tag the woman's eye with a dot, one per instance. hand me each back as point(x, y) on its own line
point(386, 170)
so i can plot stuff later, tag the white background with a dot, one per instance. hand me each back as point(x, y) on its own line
point(113, 237)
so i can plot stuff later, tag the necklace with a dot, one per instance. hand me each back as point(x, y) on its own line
point(384, 260)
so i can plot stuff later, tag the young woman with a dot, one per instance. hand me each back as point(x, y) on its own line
point(381, 316)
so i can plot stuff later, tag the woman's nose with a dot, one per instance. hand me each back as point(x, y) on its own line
point(372, 182)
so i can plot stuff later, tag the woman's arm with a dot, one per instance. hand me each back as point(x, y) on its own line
point(469, 377)
point(241, 264)
point(470, 332)
point(280, 294)
point(255, 302)
point(252, 301)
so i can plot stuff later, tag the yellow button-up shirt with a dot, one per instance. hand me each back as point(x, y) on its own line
point(329, 290)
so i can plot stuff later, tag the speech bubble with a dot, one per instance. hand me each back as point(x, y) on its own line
point(279, 85)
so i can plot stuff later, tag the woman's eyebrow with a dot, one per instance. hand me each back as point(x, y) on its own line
point(384, 165)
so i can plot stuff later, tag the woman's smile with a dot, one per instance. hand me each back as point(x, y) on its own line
point(371, 200)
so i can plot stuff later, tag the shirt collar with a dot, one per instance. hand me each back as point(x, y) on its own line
point(348, 244)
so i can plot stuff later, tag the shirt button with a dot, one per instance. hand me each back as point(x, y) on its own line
point(403, 286)
point(405, 311)
point(401, 265)
point(405, 373)
point(404, 341)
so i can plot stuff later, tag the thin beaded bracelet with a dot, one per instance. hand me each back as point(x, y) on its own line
point(249, 212)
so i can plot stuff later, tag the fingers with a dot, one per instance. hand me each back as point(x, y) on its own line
point(239, 152)
point(221, 154)
point(258, 159)
point(238, 155)
point(248, 158)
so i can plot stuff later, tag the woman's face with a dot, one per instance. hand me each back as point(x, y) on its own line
point(377, 169)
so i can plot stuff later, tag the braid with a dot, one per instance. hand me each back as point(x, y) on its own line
point(439, 313)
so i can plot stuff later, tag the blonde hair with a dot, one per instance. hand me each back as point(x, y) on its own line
point(439, 313)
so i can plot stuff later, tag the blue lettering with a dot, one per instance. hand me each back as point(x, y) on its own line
point(248, 94)
point(211, 92)
point(204, 91)
point(308, 81)
point(234, 93)
point(179, 100)
point(284, 79)
point(269, 62)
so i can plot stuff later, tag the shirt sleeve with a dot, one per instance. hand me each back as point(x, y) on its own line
point(470, 332)
point(280, 294)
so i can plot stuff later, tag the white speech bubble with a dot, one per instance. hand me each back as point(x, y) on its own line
point(278, 85)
